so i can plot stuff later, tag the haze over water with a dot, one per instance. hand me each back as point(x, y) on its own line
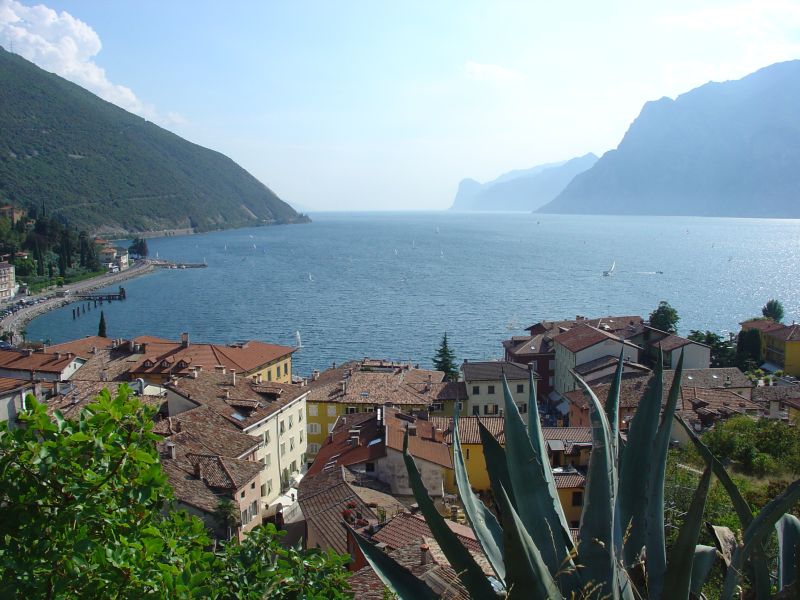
point(387, 285)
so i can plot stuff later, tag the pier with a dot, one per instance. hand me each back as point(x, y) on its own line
point(104, 296)
point(165, 264)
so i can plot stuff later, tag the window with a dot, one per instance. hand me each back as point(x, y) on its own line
point(330, 427)
point(301, 436)
point(300, 416)
point(242, 494)
point(263, 489)
point(552, 365)
point(476, 390)
point(282, 427)
point(245, 517)
point(490, 409)
point(551, 381)
point(313, 448)
point(476, 410)
point(351, 410)
point(523, 408)
point(459, 405)
point(437, 406)
point(331, 410)
point(269, 486)
point(283, 449)
point(294, 466)
point(535, 365)
point(291, 421)
point(266, 438)
point(269, 375)
point(268, 460)
point(291, 444)
point(466, 453)
point(314, 428)
point(312, 410)
point(369, 467)
point(490, 390)
point(286, 368)
point(253, 485)
point(520, 388)
point(577, 498)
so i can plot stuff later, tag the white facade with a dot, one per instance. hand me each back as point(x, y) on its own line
point(391, 469)
point(566, 360)
point(695, 356)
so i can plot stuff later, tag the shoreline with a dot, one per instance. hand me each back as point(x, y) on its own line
point(16, 322)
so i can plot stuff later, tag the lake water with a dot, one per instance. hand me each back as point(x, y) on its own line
point(387, 285)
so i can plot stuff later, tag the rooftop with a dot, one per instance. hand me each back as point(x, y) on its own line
point(44, 362)
point(585, 336)
point(494, 371)
point(764, 325)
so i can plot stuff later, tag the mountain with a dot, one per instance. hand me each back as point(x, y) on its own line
point(723, 149)
point(99, 167)
point(524, 190)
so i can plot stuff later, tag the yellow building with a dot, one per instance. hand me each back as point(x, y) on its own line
point(567, 448)
point(363, 386)
point(783, 348)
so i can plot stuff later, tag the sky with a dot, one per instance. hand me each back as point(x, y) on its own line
point(387, 106)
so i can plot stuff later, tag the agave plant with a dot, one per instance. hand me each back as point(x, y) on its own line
point(622, 552)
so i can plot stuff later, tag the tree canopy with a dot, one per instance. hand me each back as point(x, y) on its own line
point(445, 360)
point(101, 327)
point(665, 318)
point(82, 518)
point(723, 353)
point(139, 248)
point(773, 309)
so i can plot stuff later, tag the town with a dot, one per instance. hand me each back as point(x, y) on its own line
point(245, 440)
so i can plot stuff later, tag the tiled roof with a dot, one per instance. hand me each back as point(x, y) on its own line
point(365, 387)
point(427, 444)
point(763, 325)
point(242, 404)
point(529, 346)
point(323, 497)
point(623, 326)
point(585, 336)
point(10, 384)
point(173, 358)
point(470, 434)
point(672, 342)
point(405, 529)
point(766, 393)
point(83, 346)
point(569, 479)
point(340, 449)
point(77, 393)
point(716, 403)
point(45, 362)
point(494, 370)
point(203, 434)
point(787, 333)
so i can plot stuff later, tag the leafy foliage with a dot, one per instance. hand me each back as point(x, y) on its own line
point(773, 309)
point(139, 247)
point(665, 318)
point(445, 360)
point(749, 349)
point(722, 352)
point(82, 518)
point(95, 165)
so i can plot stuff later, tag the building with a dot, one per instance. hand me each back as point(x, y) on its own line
point(371, 445)
point(695, 354)
point(205, 466)
point(363, 386)
point(538, 350)
point(584, 345)
point(273, 413)
point(782, 348)
point(707, 396)
point(160, 359)
point(122, 261)
point(13, 396)
point(484, 387)
point(8, 283)
point(570, 485)
point(40, 365)
point(13, 213)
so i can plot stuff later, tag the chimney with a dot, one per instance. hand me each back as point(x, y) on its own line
point(58, 355)
point(344, 386)
point(104, 375)
point(195, 373)
point(94, 350)
point(233, 377)
point(28, 351)
point(198, 470)
point(173, 454)
point(314, 375)
point(423, 554)
point(412, 430)
point(219, 369)
point(227, 394)
point(185, 339)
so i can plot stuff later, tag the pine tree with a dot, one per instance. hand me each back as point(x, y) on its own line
point(445, 360)
point(773, 310)
point(101, 329)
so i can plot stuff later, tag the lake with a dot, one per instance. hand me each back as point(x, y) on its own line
point(387, 285)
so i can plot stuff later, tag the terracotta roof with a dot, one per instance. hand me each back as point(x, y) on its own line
point(714, 403)
point(203, 435)
point(569, 479)
point(83, 346)
point(763, 325)
point(76, 394)
point(427, 444)
point(534, 345)
point(470, 434)
point(339, 449)
point(405, 529)
point(767, 393)
point(494, 370)
point(585, 336)
point(672, 342)
point(366, 387)
point(173, 358)
point(624, 326)
point(242, 404)
point(787, 333)
point(323, 497)
point(10, 384)
point(45, 362)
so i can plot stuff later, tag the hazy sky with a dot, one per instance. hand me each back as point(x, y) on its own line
point(379, 105)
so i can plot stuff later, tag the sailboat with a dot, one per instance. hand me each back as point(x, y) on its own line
point(610, 272)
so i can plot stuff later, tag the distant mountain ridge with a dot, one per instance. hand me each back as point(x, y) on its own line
point(523, 190)
point(99, 167)
point(722, 149)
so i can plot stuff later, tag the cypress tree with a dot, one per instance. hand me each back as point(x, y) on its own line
point(101, 329)
point(445, 360)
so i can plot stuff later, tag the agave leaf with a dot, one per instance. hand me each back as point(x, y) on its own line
point(678, 581)
point(612, 404)
point(485, 525)
point(788, 528)
point(496, 464)
point(470, 574)
point(761, 578)
point(704, 558)
point(597, 551)
point(537, 500)
point(656, 544)
point(635, 466)
point(754, 534)
point(400, 581)
point(528, 576)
